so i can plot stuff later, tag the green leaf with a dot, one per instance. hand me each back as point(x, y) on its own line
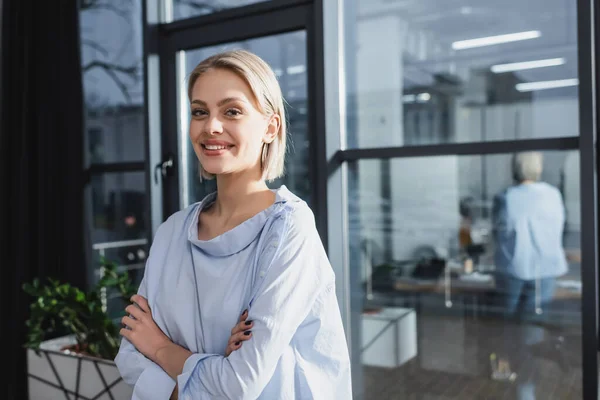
point(61, 309)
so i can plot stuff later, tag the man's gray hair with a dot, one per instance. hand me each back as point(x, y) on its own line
point(527, 166)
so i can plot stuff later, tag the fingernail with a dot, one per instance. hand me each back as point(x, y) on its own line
point(237, 343)
point(248, 323)
point(247, 333)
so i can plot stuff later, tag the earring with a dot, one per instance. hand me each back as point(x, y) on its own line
point(265, 152)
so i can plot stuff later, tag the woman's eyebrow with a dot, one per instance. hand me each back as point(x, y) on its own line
point(221, 102)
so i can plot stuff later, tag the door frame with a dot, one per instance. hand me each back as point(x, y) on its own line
point(249, 22)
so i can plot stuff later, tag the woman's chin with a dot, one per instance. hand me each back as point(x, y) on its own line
point(214, 171)
point(213, 166)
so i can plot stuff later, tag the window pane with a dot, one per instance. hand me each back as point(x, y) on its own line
point(476, 276)
point(192, 8)
point(286, 54)
point(113, 81)
point(432, 72)
point(118, 204)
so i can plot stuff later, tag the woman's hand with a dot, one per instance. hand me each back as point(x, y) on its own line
point(240, 333)
point(143, 332)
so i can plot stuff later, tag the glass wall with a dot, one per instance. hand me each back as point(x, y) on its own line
point(440, 302)
point(464, 270)
point(432, 72)
point(113, 81)
point(116, 199)
point(286, 54)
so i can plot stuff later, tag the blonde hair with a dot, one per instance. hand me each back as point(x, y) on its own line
point(528, 166)
point(267, 95)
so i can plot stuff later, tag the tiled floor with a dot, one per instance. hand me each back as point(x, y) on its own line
point(454, 363)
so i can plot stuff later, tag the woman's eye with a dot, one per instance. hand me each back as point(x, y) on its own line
point(198, 113)
point(233, 112)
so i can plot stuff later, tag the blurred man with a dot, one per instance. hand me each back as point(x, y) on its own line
point(529, 219)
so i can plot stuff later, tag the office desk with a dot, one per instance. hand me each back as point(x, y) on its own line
point(466, 289)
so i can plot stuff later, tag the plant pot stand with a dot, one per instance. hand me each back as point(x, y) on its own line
point(54, 374)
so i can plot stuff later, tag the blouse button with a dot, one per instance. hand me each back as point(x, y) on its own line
point(274, 244)
point(262, 273)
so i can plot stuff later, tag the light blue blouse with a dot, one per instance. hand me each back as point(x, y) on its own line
point(529, 222)
point(273, 264)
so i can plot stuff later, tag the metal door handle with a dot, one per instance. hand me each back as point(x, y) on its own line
point(164, 168)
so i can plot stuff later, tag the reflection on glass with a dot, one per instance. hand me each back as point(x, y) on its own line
point(468, 267)
point(286, 54)
point(118, 207)
point(129, 256)
point(192, 8)
point(431, 72)
point(113, 82)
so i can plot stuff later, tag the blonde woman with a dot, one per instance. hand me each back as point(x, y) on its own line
point(238, 297)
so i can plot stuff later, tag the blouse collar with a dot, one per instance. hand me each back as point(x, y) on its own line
point(240, 237)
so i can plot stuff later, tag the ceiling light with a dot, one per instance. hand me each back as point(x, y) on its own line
point(423, 97)
point(518, 66)
point(296, 69)
point(492, 40)
point(542, 85)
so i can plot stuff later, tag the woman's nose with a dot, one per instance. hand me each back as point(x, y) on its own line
point(213, 126)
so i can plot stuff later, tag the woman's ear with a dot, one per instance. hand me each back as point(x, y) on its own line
point(272, 128)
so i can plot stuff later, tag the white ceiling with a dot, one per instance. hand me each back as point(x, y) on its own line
point(432, 26)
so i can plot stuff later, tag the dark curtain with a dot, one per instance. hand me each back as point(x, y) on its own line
point(41, 142)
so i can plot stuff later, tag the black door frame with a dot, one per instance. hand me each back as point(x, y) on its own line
point(588, 22)
point(248, 22)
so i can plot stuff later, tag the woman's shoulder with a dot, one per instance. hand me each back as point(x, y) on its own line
point(178, 221)
point(292, 213)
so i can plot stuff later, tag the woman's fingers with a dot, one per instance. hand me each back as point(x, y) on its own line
point(129, 322)
point(241, 327)
point(141, 302)
point(244, 315)
point(242, 319)
point(235, 342)
point(232, 347)
point(240, 333)
point(240, 337)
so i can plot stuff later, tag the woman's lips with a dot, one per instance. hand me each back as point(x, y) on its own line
point(215, 149)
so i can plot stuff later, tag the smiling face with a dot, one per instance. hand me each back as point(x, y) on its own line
point(227, 130)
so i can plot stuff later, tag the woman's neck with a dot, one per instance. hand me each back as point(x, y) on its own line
point(240, 194)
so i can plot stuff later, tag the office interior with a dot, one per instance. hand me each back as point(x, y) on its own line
point(405, 117)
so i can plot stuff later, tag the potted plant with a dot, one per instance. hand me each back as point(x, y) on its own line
point(72, 341)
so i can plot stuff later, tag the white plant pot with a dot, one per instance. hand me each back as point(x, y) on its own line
point(54, 374)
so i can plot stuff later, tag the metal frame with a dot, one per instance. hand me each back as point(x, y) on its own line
point(587, 17)
point(317, 124)
point(463, 149)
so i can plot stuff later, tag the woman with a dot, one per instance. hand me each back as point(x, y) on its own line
point(245, 257)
